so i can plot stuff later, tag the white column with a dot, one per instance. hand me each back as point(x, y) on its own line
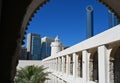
point(55, 65)
point(63, 64)
point(58, 64)
point(56, 80)
point(67, 64)
point(102, 61)
point(49, 64)
point(62, 81)
point(52, 64)
point(75, 64)
point(85, 65)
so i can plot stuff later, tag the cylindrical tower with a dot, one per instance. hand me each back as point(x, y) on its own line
point(112, 19)
point(56, 46)
point(89, 32)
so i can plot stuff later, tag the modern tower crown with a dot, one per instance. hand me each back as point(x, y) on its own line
point(89, 8)
point(89, 20)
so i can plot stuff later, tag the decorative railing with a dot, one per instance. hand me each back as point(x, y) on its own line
point(88, 61)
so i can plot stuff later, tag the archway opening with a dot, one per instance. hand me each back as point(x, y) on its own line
point(71, 64)
point(68, 20)
point(65, 64)
point(80, 65)
point(115, 66)
point(93, 67)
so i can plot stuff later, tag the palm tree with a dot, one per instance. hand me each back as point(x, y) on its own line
point(31, 74)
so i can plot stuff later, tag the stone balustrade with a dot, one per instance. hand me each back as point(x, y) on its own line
point(95, 60)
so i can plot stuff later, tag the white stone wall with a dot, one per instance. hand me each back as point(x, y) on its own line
point(23, 63)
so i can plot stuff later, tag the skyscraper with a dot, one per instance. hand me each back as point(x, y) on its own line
point(33, 46)
point(45, 47)
point(23, 55)
point(89, 24)
point(112, 19)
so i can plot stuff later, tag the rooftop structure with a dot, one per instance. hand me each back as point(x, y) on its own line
point(56, 46)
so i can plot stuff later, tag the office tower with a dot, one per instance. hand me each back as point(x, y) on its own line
point(45, 47)
point(23, 55)
point(112, 19)
point(33, 46)
point(89, 32)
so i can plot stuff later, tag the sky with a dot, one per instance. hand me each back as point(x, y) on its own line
point(67, 19)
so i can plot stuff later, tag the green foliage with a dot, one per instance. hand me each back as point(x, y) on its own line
point(31, 74)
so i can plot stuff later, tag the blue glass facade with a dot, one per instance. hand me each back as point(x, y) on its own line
point(35, 46)
point(46, 48)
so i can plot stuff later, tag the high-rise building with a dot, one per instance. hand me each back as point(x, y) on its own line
point(45, 47)
point(89, 24)
point(33, 46)
point(23, 55)
point(112, 19)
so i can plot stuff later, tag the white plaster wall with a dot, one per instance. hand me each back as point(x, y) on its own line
point(55, 50)
point(23, 63)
